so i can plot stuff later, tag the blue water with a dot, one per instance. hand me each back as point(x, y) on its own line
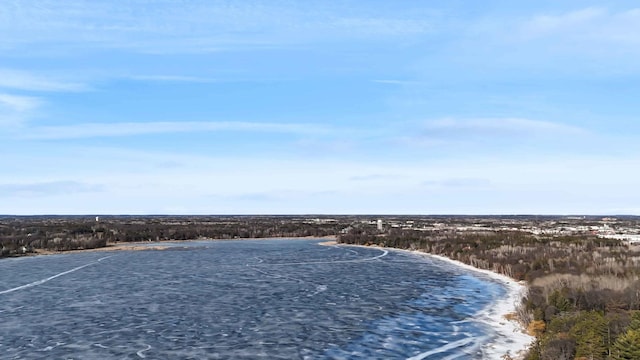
point(262, 299)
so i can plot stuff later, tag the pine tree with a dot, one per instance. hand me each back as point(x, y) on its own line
point(635, 321)
point(589, 332)
point(627, 346)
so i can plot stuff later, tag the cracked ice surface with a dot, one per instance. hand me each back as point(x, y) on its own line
point(270, 299)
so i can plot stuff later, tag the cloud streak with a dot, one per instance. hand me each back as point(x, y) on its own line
point(38, 189)
point(455, 137)
point(547, 25)
point(502, 125)
point(95, 130)
point(188, 27)
point(459, 183)
point(175, 78)
point(22, 80)
point(375, 177)
point(590, 25)
point(593, 31)
point(15, 109)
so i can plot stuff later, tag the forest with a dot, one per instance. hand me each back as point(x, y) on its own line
point(26, 235)
point(584, 291)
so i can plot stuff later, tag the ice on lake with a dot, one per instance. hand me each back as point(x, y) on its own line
point(269, 299)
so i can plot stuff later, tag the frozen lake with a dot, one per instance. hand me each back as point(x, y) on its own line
point(245, 299)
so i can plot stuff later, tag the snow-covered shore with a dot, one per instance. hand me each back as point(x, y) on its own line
point(511, 339)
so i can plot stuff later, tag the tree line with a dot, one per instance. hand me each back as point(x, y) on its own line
point(584, 292)
point(19, 236)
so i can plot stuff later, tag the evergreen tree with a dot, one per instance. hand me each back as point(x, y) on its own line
point(590, 333)
point(627, 346)
point(635, 321)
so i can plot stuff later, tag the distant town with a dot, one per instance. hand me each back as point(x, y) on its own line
point(624, 228)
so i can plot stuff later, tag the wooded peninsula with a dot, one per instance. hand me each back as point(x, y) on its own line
point(583, 272)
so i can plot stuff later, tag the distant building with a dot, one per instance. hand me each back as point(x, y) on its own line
point(380, 228)
point(97, 218)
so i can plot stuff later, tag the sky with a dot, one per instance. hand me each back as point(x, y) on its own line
point(319, 107)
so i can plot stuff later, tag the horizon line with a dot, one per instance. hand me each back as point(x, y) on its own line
point(321, 214)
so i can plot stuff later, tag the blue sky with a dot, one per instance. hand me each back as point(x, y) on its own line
point(307, 107)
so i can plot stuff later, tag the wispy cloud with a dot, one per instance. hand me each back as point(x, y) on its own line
point(383, 26)
point(272, 196)
point(459, 136)
point(589, 31)
point(501, 126)
point(19, 103)
point(22, 80)
point(458, 183)
point(166, 78)
point(93, 130)
point(583, 43)
point(175, 78)
point(247, 197)
point(374, 177)
point(545, 25)
point(197, 25)
point(16, 109)
point(589, 24)
point(50, 188)
point(397, 82)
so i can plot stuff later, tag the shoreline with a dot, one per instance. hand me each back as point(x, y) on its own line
point(512, 339)
point(157, 245)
